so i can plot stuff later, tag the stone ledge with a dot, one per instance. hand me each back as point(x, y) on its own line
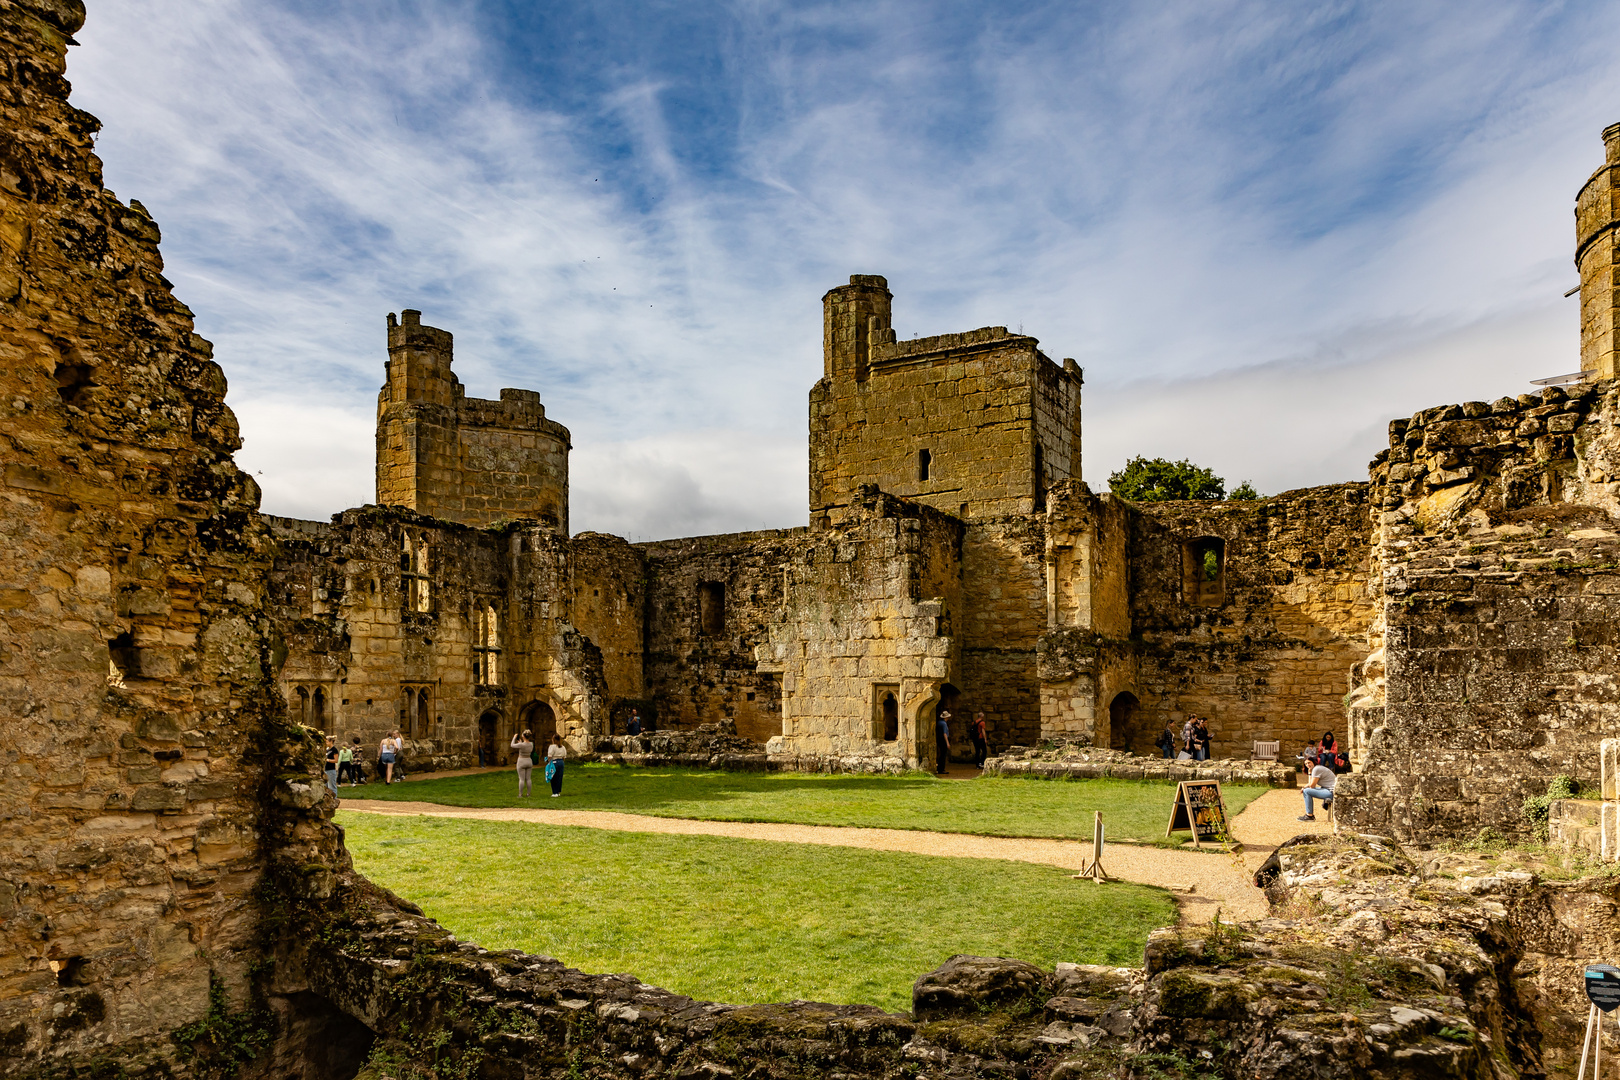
point(1227, 772)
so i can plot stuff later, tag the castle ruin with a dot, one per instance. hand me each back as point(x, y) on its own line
point(168, 863)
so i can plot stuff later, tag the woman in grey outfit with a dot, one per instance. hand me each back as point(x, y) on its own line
point(524, 745)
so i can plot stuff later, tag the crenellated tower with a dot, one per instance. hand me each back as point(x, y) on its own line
point(978, 424)
point(467, 460)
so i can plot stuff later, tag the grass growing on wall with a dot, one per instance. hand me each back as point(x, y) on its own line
point(746, 920)
point(988, 805)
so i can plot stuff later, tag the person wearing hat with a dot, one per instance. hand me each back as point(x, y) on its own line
point(942, 740)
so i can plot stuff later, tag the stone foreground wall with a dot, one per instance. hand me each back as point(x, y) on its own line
point(151, 793)
point(1373, 965)
point(1494, 655)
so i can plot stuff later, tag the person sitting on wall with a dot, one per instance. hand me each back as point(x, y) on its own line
point(1320, 786)
point(1331, 756)
point(634, 727)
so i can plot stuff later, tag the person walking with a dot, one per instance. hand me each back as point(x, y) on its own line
point(556, 753)
point(346, 765)
point(942, 740)
point(524, 745)
point(331, 763)
point(981, 743)
point(1201, 738)
point(1167, 739)
point(1320, 787)
point(388, 755)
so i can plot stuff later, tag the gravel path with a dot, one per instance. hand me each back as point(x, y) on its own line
point(1216, 882)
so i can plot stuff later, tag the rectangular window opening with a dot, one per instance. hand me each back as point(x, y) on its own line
point(712, 608)
point(925, 464)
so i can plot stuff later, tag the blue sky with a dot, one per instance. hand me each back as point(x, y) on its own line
point(1263, 229)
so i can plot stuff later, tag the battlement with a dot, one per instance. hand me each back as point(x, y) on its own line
point(947, 346)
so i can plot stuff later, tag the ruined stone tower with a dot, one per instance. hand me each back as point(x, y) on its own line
point(463, 459)
point(1596, 217)
point(977, 424)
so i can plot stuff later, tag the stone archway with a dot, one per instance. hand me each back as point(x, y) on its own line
point(540, 718)
point(490, 751)
point(1124, 717)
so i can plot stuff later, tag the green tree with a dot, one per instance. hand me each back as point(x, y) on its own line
point(1245, 490)
point(1157, 480)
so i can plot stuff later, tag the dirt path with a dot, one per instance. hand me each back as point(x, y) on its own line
point(1223, 882)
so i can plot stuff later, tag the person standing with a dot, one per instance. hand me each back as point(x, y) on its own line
point(1201, 738)
point(981, 743)
point(634, 727)
point(524, 745)
point(556, 753)
point(1186, 740)
point(942, 740)
point(331, 763)
point(346, 765)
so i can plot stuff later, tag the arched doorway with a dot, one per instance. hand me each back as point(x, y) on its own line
point(489, 748)
point(540, 718)
point(1123, 714)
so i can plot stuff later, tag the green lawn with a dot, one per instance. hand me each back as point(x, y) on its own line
point(987, 805)
point(745, 920)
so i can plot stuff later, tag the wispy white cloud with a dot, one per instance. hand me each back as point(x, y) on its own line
point(1239, 217)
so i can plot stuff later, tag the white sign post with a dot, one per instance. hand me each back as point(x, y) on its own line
point(1094, 868)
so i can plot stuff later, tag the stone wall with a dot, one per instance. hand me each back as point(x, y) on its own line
point(1493, 660)
point(1003, 614)
point(869, 615)
point(152, 795)
point(1376, 963)
point(463, 459)
point(1085, 659)
point(1265, 649)
point(711, 600)
point(473, 644)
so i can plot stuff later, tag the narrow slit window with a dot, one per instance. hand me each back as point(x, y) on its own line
point(1040, 478)
point(925, 464)
point(712, 608)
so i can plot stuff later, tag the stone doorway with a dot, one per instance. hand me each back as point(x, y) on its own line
point(541, 719)
point(1124, 716)
point(488, 751)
